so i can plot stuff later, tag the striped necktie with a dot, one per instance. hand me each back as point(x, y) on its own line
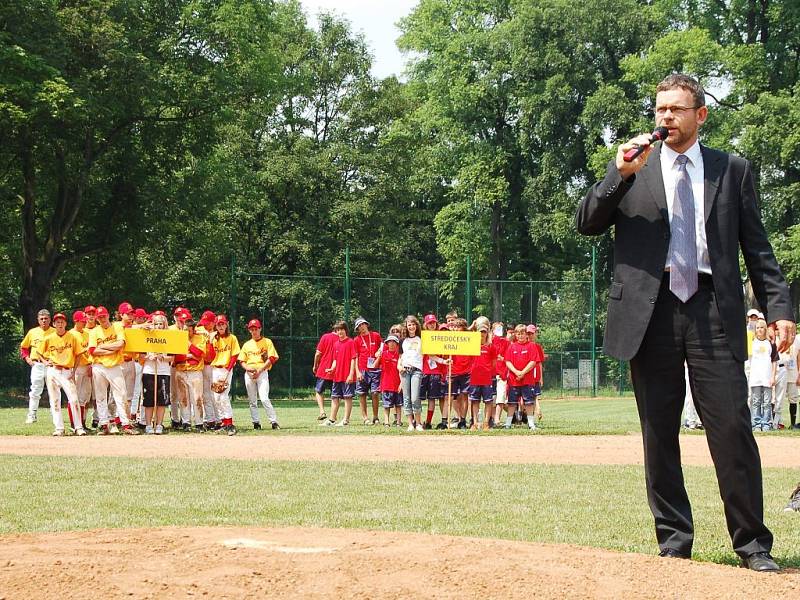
point(683, 243)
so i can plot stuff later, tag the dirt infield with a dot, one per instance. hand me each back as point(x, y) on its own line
point(327, 563)
point(542, 449)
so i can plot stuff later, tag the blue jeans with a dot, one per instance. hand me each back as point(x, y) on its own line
point(411, 381)
point(761, 407)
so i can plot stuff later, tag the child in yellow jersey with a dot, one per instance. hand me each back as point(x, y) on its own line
point(257, 357)
point(205, 328)
point(30, 355)
point(189, 375)
point(106, 345)
point(60, 351)
point(83, 375)
point(225, 350)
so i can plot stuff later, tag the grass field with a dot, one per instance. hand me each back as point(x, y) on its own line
point(599, 505)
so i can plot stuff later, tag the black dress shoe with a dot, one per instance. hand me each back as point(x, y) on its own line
point(672, 553)
point(760, 561)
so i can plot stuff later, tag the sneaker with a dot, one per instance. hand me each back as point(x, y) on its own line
point(148, 430)
point(103, 430)
point(275, 425)
point(31, 418)
point(376, 421)
point(781, 426)
point(796, 426)
point(462, 424)
point(420, 427)
point(80, 431)
point(327, 423)
point(256, 425)
point(141, 426)
point(159, 429)
point(186, 427)
point(128, 430)
point(410, 427)
point(426, 426)
point(322, 417)
point(175, 424)
point(507, 426)
point(441, 426)
point(94, 425)
point(58, 433)
point(342, 423)
point(112, 428)
point(200, 428)
point(231, 430)
point(367, 422)
point(532, 425)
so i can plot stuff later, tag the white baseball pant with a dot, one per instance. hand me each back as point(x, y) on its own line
point(57, 380)
point(209, 410)
point(175, 404)
point(258, 389)
point(222, 402)
point(104, 378)
point(783, 387)
point(129, 373)
point(189, 386)
point(38, 377)
point(136, 398)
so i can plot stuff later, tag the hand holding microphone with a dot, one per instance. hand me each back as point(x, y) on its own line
point(632, 155)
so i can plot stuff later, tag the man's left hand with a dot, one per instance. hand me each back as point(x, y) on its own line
point(786, 330)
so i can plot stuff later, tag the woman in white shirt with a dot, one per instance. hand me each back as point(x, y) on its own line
point(410, 365)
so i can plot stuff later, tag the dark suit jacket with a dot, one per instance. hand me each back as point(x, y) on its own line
point(637, 208)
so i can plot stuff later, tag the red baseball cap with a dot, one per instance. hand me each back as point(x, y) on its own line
point(207, 316)
point(444, 326)
point(254, 324)
point(102, 311)
point(79, 317)
point(431, 318)
point(178, 310)
point(158, 313)
point(140, 313)
point(221, 319)
point(125, 308)
point(185, 315)
point(59, 316)
point(532, 328)
point(90, 309)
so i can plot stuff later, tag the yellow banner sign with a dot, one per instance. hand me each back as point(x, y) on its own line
point(451, 343)
point(164, 341)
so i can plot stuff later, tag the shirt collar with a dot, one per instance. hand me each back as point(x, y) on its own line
point(693, 154)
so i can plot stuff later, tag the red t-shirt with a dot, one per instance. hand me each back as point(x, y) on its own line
point(344, 351)
point(501, 345)
point(539, 361)
point(483, 370)
point(325, 346)
point(436, 369)
point(462, 364)
point(520, 355)
point(390, 376)
point(366, 347)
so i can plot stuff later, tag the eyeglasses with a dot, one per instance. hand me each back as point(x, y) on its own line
point(675, 110)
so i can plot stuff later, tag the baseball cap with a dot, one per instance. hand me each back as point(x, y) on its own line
point(59, 316)
point(158, 313)
point(186, 315)
point(254, 324)
point(178, 310)
point(483, 328)
point(359, 322)
point(90, 309)
point(140, 313)
point(207, 316)
point(79, 317)
point(430, 318)
point(392, 338)
point(125, 308)
point(752, 313)
point(532, 328)
point(221, 319)
point(102, 311)
point(443, 326)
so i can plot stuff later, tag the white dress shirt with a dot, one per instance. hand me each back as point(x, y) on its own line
point(694, 167)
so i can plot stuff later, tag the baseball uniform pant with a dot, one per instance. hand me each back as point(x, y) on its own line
point(258, 389)
point(209, 410)
point(783, 387)
point(222, 402)
point(129, 373)
point(189, 385)
point(57, 380)
point(103, 379)
point(175, 407)
point(136, 399)
point(38, 376)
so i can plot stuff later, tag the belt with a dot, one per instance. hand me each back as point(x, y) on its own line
point(702, 278)
point(128, 359)
point(781, 364)
point(60, 368)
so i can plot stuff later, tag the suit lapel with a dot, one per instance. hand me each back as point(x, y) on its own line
point(654, 180)
point(713, 166)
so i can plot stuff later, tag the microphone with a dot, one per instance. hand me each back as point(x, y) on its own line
point(659, 134)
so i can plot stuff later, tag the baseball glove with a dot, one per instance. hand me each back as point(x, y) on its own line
point(219, 386)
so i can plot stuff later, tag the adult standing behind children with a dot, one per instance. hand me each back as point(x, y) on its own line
point(29, 353)
point(681, 213)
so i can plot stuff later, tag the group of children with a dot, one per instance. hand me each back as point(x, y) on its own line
point(128, 391)
point(394, 372)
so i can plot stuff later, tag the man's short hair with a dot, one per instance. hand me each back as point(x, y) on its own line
point(43, 313)
point(340, 325)
point(684, 82)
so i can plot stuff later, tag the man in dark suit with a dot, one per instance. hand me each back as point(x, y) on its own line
point(681, 213)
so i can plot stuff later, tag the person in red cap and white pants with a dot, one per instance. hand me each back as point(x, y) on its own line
point(59, 351)
point(28, 350)
point(83, 372)
point(257, 356)
point(106, 345)
point(225, 353)
point(174, 408)
point(206, 328)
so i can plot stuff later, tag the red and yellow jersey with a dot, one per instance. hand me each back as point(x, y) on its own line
point(61, 350)
point(193, 362)
point(84, 358)
point(127, 355)
point(112, 333)
point(33, 339)
point(225, 349)
point(256, 354)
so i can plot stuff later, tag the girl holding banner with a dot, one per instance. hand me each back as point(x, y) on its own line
point(156, 383)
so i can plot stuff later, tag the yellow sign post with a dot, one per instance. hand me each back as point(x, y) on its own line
point(451, 343)
point(163, 341)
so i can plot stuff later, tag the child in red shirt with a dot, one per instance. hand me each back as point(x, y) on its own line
point(434, 371)
point(480, 381)
point(343, 371)
point(390, 380)
point(533, 330)
point(323, 358)
point(459, 380)
point(521, 360)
